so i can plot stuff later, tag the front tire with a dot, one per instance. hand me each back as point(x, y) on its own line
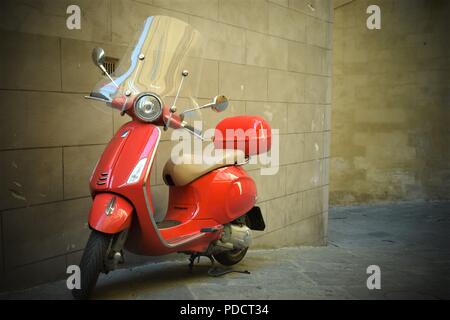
point(92, 263)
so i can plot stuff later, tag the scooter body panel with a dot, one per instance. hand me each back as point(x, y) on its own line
point(133, 142)
point(222, 195)
point(210, 201)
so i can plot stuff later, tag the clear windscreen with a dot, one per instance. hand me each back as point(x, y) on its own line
point(163, 48)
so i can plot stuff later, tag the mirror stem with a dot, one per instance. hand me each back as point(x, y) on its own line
point(198, 108)
point(102, 67)
point(184, 74)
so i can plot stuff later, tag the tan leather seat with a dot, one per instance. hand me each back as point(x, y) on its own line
point(182, 170)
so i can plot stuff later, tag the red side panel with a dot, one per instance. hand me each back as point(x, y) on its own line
point(241, 196)
point(110, 213)
point(101, 177)
point(224, 194)
point(133, 141)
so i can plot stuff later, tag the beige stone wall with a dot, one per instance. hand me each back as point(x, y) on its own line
point(276, 63)
point(391, 103)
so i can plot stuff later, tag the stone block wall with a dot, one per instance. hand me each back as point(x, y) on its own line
point(391, 98)
point(276, 63)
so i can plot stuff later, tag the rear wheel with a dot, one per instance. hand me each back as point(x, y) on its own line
point(92, 263)
point(232, 257)
point(229, 258)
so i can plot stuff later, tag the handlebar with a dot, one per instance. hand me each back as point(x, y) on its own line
point(176, 122)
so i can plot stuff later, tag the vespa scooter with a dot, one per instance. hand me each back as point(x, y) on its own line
point(211, 207)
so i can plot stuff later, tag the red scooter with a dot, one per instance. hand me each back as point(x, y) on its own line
point(211, 209)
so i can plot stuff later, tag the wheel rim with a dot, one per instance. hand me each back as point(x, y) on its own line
point(236, 252)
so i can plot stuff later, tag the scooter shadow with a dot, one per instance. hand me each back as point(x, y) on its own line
point(167, 280)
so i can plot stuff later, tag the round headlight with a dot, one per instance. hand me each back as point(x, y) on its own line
point(148, 107)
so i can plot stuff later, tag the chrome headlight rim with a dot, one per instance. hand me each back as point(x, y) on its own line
point(143, 95)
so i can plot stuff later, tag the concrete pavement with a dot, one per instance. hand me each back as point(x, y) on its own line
point(409, 242)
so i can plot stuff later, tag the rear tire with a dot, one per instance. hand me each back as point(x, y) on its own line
point(229, 258)
point(92, 263)
point(232, 257)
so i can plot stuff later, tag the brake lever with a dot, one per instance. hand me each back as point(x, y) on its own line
point(97, 99)
point(194, 132)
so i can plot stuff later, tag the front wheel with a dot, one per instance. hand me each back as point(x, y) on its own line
point(92, 263)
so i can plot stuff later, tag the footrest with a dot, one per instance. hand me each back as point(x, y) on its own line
point(167, 224)
point(209, 230)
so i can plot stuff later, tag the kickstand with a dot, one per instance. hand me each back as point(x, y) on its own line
point(197, 256)
point(191, 262)
point(218, 271)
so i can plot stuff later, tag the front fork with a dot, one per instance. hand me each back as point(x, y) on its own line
point(114, 254)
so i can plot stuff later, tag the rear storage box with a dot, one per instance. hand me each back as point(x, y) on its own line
point(251, 134)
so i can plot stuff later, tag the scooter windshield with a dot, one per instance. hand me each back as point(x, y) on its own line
point(163, 48)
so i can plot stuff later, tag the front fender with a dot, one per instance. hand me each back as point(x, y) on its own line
point(110, 213)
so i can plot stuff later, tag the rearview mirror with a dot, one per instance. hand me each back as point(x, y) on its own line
point(219, 104)
point(98, 57)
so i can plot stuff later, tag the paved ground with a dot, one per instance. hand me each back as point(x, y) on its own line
point(410, 242)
